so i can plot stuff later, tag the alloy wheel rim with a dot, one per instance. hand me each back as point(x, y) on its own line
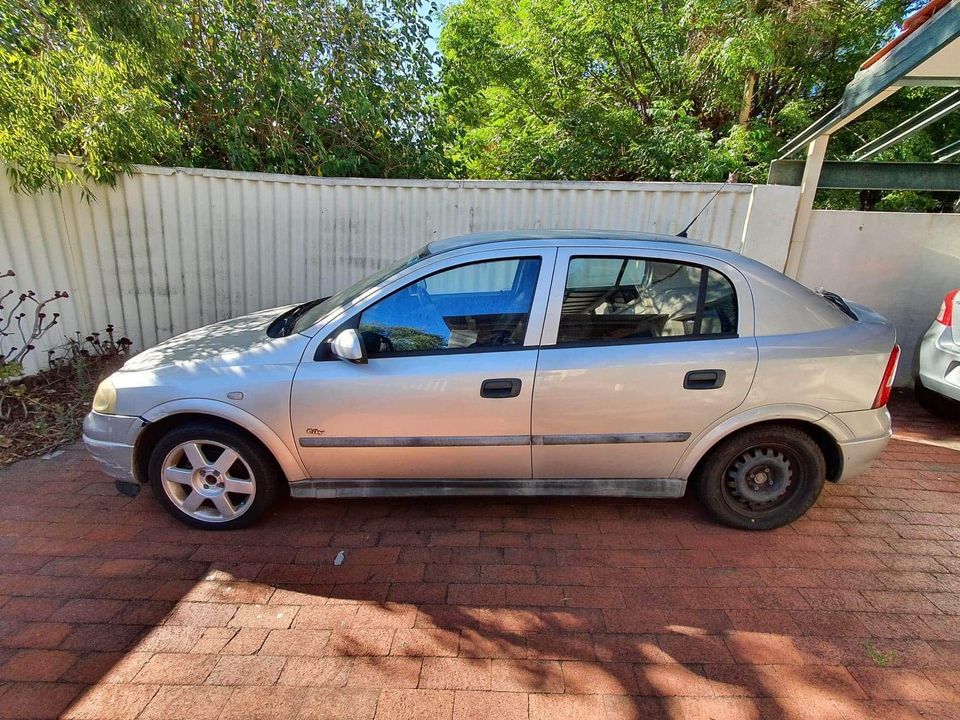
point(761, 479)
point(208, 481)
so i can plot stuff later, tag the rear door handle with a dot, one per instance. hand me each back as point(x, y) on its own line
point(500, 388)
point(704, 379)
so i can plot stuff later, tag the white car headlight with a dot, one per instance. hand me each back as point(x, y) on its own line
point(105, 399)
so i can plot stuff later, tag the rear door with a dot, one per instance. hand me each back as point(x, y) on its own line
point(641, 352)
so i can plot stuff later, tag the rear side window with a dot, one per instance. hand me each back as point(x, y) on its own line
point(611, 299)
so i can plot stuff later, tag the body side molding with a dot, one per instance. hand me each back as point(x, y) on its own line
point(437, 441)
point(611, 438)
point(493, 440)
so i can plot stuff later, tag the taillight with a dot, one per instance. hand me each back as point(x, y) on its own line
point(945, 316)
point(886, 385)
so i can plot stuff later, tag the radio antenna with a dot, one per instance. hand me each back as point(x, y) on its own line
point(683, 233)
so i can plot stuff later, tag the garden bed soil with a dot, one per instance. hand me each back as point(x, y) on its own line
point(40, 412)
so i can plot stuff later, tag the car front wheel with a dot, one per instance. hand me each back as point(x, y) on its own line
point(212, 477)
point(762, 478)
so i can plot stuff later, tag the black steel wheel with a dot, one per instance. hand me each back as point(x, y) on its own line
point(762, 478)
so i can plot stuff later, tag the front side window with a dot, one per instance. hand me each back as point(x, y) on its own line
point(481, 306)
point(609, 299)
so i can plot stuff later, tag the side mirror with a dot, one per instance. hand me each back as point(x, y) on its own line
point(349, 346)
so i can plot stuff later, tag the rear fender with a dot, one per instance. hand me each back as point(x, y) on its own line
point(730, 424)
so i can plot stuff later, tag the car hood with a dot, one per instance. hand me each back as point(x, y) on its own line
point(227, 342)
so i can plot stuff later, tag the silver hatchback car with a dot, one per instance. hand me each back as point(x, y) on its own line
point(528, 363)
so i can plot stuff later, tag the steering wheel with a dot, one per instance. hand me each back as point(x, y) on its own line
point(383, 343)
point(500, 337)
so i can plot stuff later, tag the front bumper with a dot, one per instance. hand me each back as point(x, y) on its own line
point(109, 439)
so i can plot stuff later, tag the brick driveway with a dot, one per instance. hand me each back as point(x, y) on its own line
point(485, 608)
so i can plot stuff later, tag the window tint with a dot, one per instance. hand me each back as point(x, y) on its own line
point(481, 305)
point(488, 277)
point(609, 298)
point(600, 272)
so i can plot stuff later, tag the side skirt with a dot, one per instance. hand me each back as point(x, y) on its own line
point(406, 487)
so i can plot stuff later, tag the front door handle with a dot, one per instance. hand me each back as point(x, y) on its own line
point(704, 379)
point(500, 388)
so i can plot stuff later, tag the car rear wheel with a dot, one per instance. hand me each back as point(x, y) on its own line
point(762, 478)
point(935, 403)
point(212, 477)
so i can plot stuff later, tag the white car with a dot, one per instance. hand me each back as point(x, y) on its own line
point(937, 380)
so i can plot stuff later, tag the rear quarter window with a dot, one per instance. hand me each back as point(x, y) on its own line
point(719, 306)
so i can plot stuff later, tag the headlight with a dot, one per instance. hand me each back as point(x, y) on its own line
point(105, 400)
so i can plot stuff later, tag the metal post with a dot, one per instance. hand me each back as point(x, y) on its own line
point(816, 152)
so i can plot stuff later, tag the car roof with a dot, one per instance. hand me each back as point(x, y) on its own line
point(559, 237)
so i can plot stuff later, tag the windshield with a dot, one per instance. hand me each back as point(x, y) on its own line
point(354, 292)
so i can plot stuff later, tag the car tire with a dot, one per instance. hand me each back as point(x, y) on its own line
point(935, 403)
point(762, 478)
point(204, 487)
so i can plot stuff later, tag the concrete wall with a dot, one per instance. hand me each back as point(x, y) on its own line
point(171, 249)
point(899, 264)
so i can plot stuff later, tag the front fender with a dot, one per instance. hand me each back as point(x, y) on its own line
point(735, 421)
point(288, 461)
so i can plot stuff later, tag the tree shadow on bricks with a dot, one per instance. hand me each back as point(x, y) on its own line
point(471, 608)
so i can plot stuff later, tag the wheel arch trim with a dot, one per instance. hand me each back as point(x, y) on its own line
point(730, 424)
point(289, 463)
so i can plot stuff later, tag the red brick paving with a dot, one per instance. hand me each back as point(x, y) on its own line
point(486, 608)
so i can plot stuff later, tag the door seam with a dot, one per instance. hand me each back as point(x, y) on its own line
point(536, 362)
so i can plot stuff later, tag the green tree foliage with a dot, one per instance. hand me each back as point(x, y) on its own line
point(78, 80)
point(329, 87)
point(552, 89)
point(336, 87)
point(645, 89)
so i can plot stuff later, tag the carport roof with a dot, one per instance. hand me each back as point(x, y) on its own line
point(926, 52)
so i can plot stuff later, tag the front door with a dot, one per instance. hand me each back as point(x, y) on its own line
point(448, 387)
point(640, 354)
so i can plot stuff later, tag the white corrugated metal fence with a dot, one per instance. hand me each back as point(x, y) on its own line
point(170, 249)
